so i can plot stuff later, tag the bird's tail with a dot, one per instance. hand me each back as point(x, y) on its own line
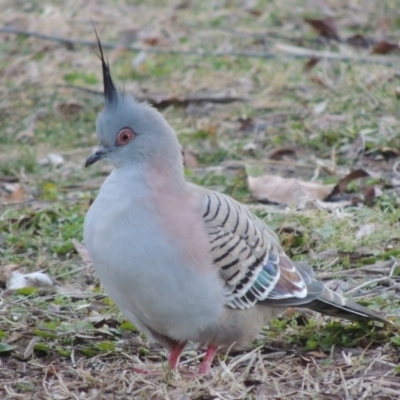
point(322, 299)
point(331, 303)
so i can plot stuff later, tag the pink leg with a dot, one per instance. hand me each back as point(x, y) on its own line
point(208, 359)
point(175, 354)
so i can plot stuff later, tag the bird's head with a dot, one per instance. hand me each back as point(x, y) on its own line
point(130, 132)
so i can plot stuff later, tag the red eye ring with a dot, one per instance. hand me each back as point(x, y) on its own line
point(125, 135)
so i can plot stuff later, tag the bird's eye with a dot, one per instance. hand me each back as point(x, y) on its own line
point(125, 135)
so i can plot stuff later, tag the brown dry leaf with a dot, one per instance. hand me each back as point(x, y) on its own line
point(341, 186)
point(14, 193)
point(290, 312)
point(317, 354)
point(311, 63)
point(249, 124)
point(152, 40)
point(25, 134)
point(325, 27)
point(385, 47)
point(371, 194)
point(359, 40)
point(282, 152)
point(290, 191)
point(5, 273)
point(383, 152)
point(254, 11)
point(69, 108)
point(81, 250)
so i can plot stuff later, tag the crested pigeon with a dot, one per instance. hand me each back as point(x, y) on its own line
point(181, 262)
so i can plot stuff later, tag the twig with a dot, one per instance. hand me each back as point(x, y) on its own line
point(265, 35)
point(163, 102)
point(282, 50)
point(326, 55)
point(377, 280)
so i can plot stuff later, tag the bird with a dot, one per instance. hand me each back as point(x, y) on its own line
point(181, 262)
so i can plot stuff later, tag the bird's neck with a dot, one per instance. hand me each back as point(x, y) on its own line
point(159, 175)
point(166, 175)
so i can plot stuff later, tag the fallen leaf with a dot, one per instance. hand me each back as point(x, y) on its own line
point(281, 152)
point(69, 108)
point(182, 5)
point(25, 134)
point(151, 40)
point(384, 47)
point(341, 186)
point(385, 152)
point(317, 354)
point(290, 191)
point(5, 273)
point(254, 11)
point(290, 312)
point(359, 40)
point(325, 27)
point(319, 80)
point(293, 191)
point(311, 63)
point(248, 124)
point(14, 193)
point(371, 194)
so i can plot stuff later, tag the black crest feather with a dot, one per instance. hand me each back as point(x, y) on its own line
point(110, 93)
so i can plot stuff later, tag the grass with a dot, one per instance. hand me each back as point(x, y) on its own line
point(69, 341)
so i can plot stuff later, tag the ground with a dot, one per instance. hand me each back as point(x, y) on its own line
point(266, 107)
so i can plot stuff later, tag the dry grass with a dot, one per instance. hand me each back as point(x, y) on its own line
point(69, 341)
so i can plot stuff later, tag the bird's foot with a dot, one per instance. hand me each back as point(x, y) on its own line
point(175, 354)
point(205, 366)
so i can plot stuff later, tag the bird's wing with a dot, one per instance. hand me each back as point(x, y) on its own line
point(248, 255)
point(255, 268)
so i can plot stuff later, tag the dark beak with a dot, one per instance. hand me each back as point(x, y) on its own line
point(97, 155)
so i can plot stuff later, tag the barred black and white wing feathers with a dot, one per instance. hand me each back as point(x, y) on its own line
point(248, 255)
point(255, 268)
